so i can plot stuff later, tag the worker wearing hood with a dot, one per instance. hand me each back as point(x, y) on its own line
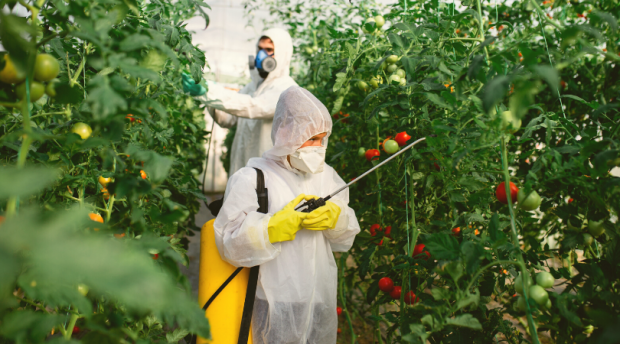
point(297, 285)
point(253, 107)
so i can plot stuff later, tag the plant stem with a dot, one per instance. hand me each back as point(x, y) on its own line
point(515, 240)
point(341, 295)
point(72, 321)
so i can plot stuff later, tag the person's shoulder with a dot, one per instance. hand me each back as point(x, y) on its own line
point(244, 174)
point(284, 82)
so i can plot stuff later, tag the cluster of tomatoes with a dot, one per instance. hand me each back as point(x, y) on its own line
point(386, 285)
point(46, 69)
point(389, 146)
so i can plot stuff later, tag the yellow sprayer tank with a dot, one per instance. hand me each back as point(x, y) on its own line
point(225, 311)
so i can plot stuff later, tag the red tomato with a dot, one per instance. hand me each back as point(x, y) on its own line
point(410, 298)
point(372, 154)
point(395, 293)
point(339, 331)
point(338, 310)
point(386, 285)
point(500, 192)
point(456, 231)
point(437, 167)
point(402, 138)
point(76, 329)
point(156, 255)
point(419, 249)
point(380, 243)
point(130, 117)
point(388, 230)
point(570, 200)
point(376, 227)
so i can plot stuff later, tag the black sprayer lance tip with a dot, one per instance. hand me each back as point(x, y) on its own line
point(315, 203)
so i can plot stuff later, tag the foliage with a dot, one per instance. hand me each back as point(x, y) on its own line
point(120, 74)
point(552, 66)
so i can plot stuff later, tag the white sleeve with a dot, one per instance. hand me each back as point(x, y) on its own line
point(243, 105)
point(341, 237)
point(241, 232)
point(222, 118)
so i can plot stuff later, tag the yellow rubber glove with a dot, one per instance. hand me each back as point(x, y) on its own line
point(322, 218)
point(284, 225)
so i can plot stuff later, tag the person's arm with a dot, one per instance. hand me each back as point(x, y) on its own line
point(343, 234)
point(222, 119)
point(241, 232)
point(243, 105)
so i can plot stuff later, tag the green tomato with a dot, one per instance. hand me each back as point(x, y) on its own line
point(380, 21)
point(530, 201)
point(362, 85)
point(510, 123)
point(82, 129)
point(519, 284)
point(36, 91)
point(401, 72)
point(311, 87)
point(391, 59)
point(83, 289)
point(538, 294)
point(394, 79)
point(50, 89)
point(392, 68)
point(391, 146)
point(361, 152)
point(308, 50)
point(521, 304)
point(403, 82)
point(369, 20)
point(548, 305)
point(315, 48)
point(587, 239)
point(46, 67)
point(166, 193)
point(596, 228)
point(545, 279)
point(375, 81)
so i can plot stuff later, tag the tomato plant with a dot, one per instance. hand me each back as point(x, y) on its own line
point(485, 79)
point(89, 198)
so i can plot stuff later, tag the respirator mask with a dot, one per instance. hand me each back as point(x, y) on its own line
point(309, 159)
point(264, 62)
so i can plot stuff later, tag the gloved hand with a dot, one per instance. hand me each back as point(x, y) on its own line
point(190, 86)
point(284, 225)
point(322, 218)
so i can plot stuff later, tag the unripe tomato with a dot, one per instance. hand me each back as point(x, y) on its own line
point(587, 239)
point(362, 85)
point(361, 152)
point(596, 228)
point(372, 154)
point(510, 123)
point(143, 174)
point(391, 147)
point(394, 79)
point(548, 305)
point(519, 283)
point(9, 74)
point(545, 279)
point(456, 231)
point(386, 285)
point(419, 249)
point(315, 48)
point(528, 202)
point(500, 192)
point(402, 138)
point(401, 73)
point(338, 310)
point(392, 59)
point(392, 68)
point(50, 89)
point(375, 81)
point(521, 304)
point(379, 21)
point(82, 129)
point(395, 293)
point(403, 82)
point(539, 294)
point(410, 298)
point(309, 50)
point(37, 90)
point(46, 67)
point(83, 289)
point(104, 181)
point(369, 20)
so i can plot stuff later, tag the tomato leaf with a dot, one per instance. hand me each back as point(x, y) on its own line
point(442, 246)
point(465, 320)
point(26, 181)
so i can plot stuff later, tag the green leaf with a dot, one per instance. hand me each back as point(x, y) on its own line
point(442, 246)
point(341, 78)
point(26, 181)
point(465, 320)
point(14, 33)
point(27, 326)
point(494, 92)
point(103, 100)
point(548, 74)
point(176, 336)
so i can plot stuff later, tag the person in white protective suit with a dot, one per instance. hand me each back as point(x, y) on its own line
point(297, 286)
point(253, 107)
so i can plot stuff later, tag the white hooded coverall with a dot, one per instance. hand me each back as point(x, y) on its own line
point(252, 108)
point(297, 285)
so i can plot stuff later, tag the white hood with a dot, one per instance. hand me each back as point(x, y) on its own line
point(283, 47)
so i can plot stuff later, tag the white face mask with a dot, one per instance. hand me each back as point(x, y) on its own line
point(309, 159)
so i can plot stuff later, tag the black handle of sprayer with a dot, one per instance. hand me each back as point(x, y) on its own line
point(313, 204)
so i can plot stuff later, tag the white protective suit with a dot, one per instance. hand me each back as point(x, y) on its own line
point(252, 108)
point(297, 285)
